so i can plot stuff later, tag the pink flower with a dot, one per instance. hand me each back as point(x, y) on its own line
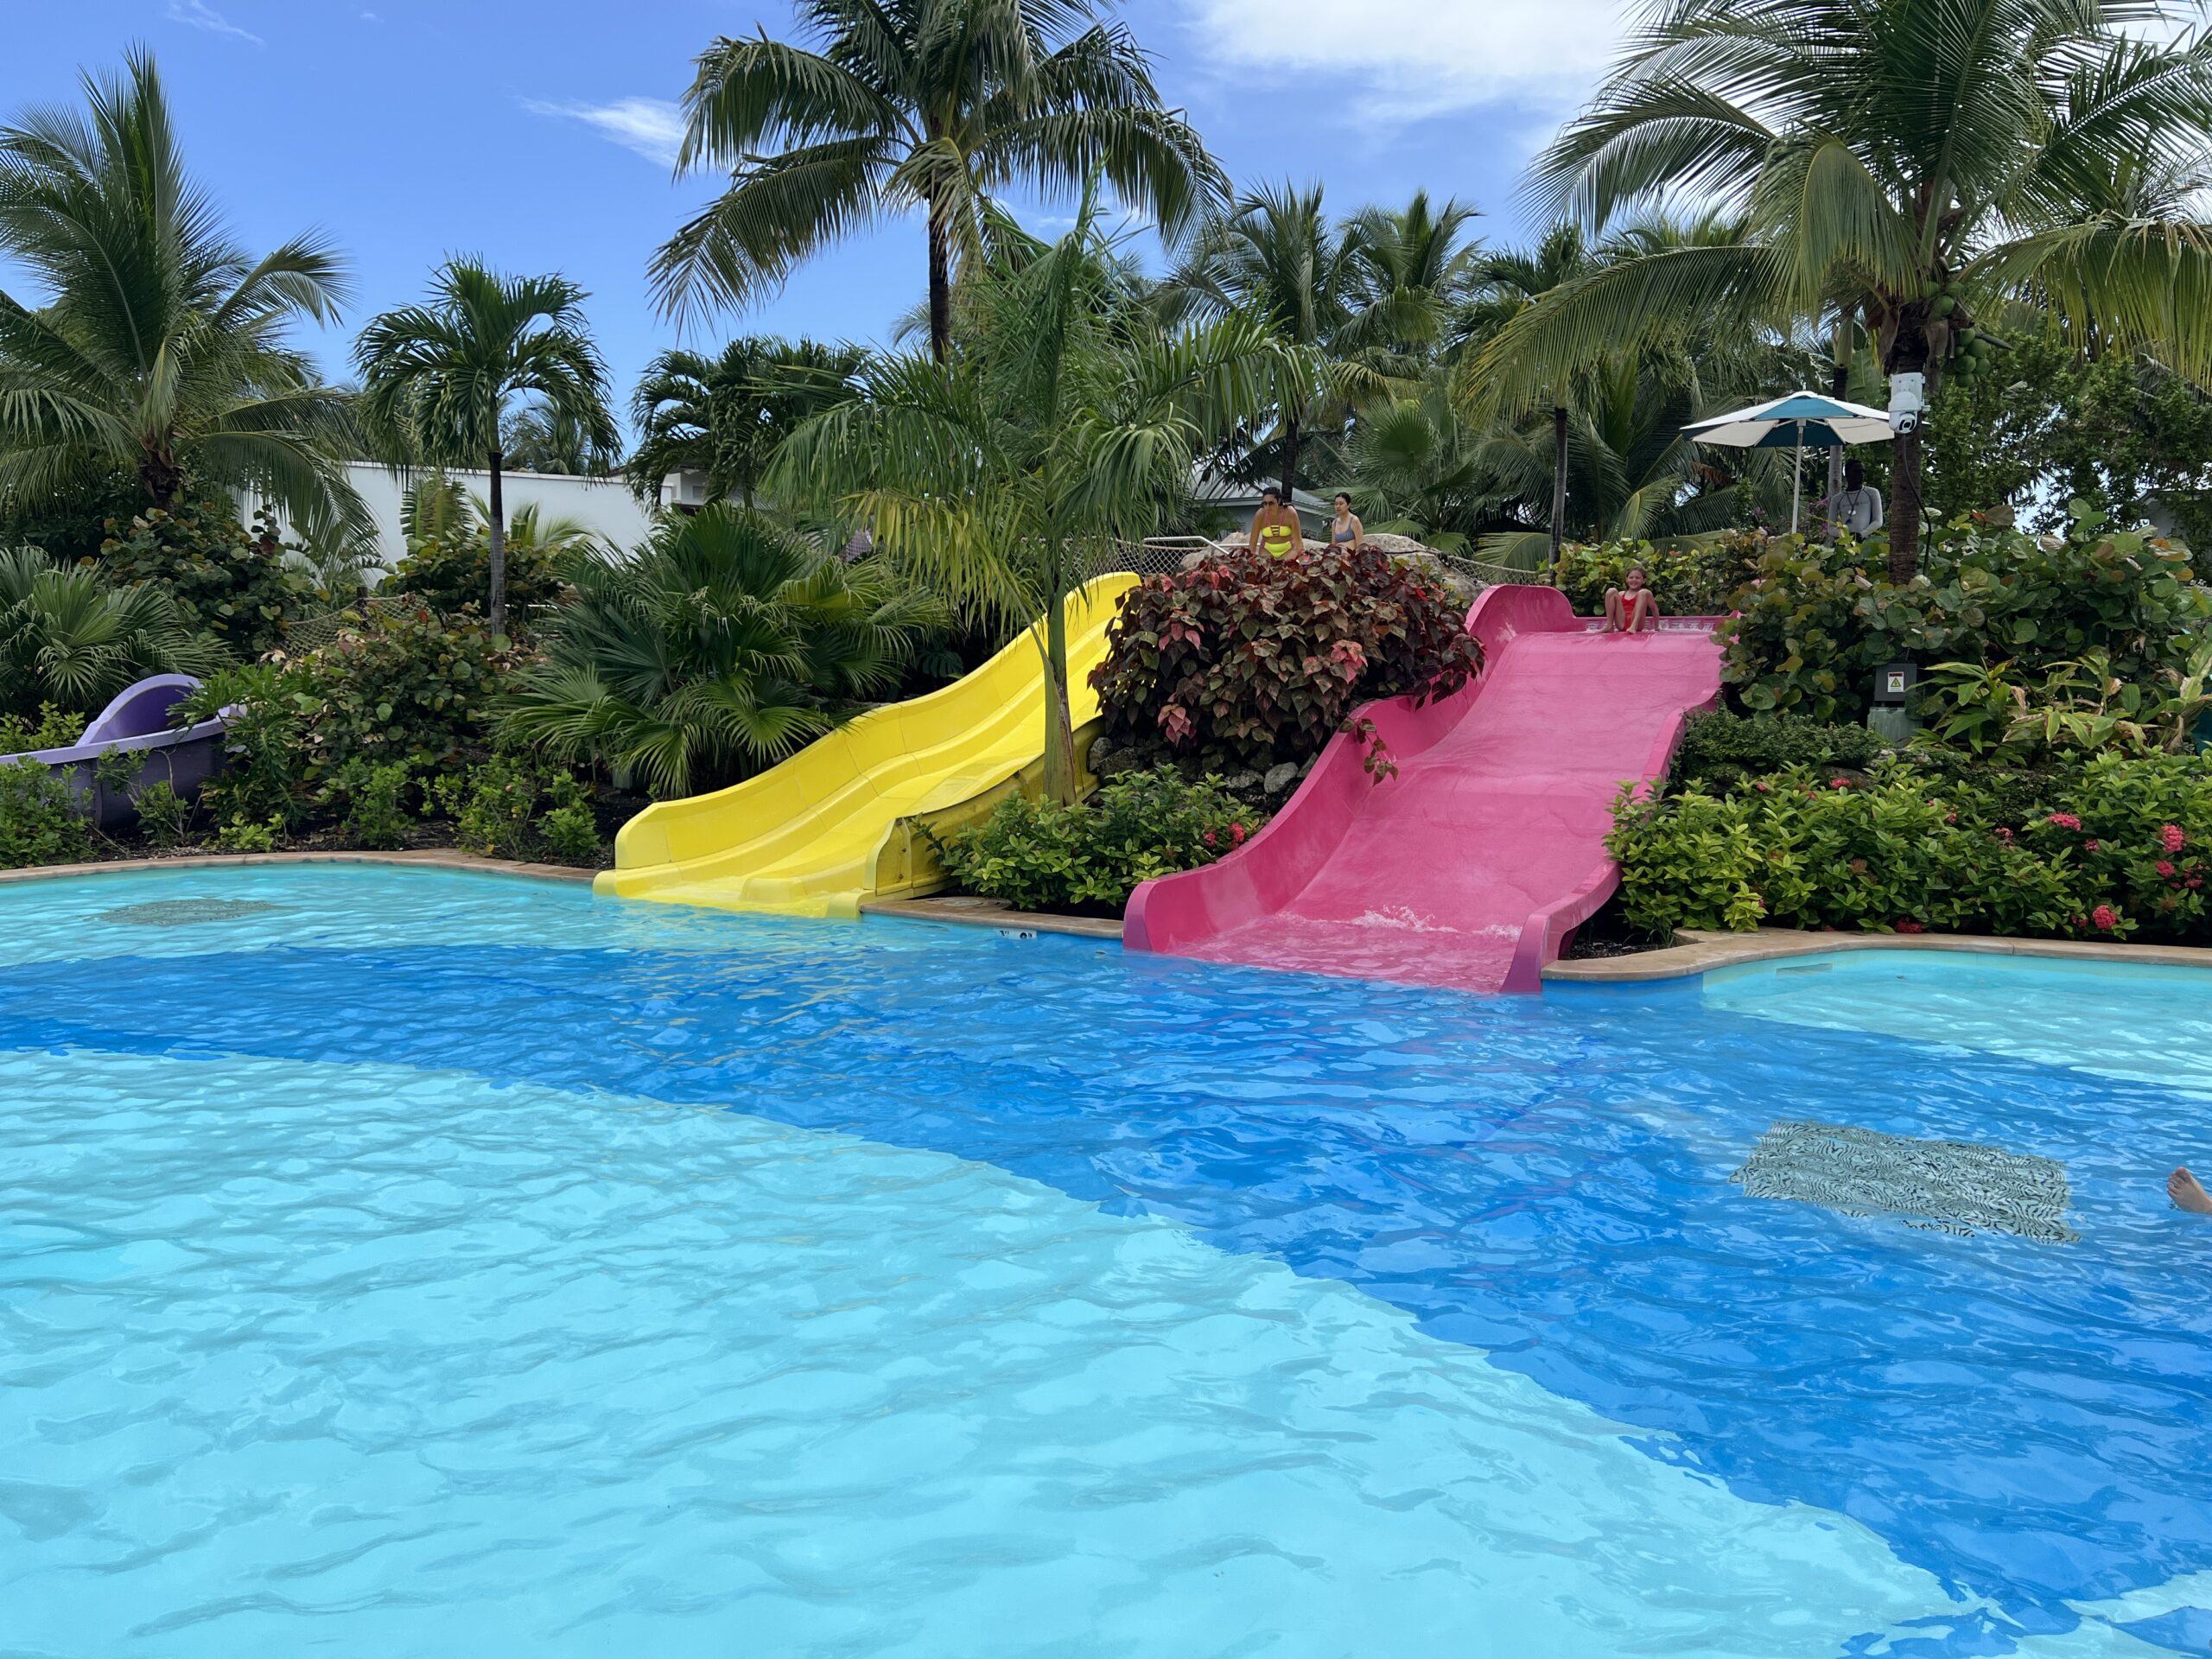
point(1207, 839)
point(1236, 835)
point(2089, 846)
point(1765, 787)
point(1839, 783)
point(2104, 919)
point(2171, 838)
point(2003, 834)
point(2064, 820)
point(1910, 926)
point(2165, 866)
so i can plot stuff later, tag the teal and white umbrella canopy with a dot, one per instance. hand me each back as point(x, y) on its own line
point(1801, 420)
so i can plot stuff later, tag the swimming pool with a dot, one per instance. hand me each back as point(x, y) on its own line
point(419, 1263)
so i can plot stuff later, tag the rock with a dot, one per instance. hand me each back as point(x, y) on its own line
point(1242, 783)
point(1280, 779)
point(1115, 763)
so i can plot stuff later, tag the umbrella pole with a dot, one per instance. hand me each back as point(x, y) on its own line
point(1796, 478)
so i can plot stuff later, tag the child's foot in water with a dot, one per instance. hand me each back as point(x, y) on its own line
point(2187, 1193)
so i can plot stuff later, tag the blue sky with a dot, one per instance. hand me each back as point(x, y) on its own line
point(539, 135)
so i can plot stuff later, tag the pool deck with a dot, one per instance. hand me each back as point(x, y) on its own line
point(1701, 951)
point(430, 859)
point(965, 910)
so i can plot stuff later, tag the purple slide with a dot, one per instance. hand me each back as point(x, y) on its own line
point(138, 722)
point(1472, 866)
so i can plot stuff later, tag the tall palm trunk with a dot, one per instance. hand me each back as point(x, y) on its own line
point(1558, 492)
point(1908, 355)
point(497, 528)
point(940, 286)
point(161, 475)
point(1290, 464)
point(1839, 387)
point(1059, 727)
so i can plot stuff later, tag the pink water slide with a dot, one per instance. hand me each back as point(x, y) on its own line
point(1472, 866)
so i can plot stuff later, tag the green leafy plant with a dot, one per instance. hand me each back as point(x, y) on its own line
point(451, 569)
point(2081, 704)
point(261, 777)
point(1690, 578)
point(70, 638)
point(1039, 856)
point(50, 729)
point(403, 686)
point(1247, 661)
point(1813, 623)
point(243, 835)
point(164, 816)
point(375, 806)
point(726, 643)
point(2110, 850)
point(1721, 749)
point(240, 586)
point(513, 806)
point(39, 821)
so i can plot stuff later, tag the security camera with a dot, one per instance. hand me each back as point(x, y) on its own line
point(1907, 398)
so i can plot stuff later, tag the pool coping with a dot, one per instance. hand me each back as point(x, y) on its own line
point(427, 859)
point(1701, 951)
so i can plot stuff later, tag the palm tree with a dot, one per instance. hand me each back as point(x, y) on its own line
point(69, 637)
point(1069, 422)
point(721, 645)
point(437, 380)
point(1275, 256)
point(538, 438)
point(1414, 271)
point(725, 415)
point(160, 351)
point(1900, 165)
point(934, 104)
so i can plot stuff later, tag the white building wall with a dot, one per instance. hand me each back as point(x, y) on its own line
point(603, 506)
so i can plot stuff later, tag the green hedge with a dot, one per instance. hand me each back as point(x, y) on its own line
point(2111, 849)
point(1037, 857)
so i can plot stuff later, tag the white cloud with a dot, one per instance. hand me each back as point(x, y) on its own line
point(1415, 57)
point(199, 14)
point(651, 126)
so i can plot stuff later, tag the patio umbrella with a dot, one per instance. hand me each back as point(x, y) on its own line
point(1803, 420)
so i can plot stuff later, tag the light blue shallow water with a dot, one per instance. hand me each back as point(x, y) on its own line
point(444, 1265)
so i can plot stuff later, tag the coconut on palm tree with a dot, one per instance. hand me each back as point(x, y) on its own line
point(158, 352)
point(1905, 166)
point(438, 380)
point(899, 104)
point(1069, 422)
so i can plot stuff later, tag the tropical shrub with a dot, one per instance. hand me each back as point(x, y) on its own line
point(514, 807)
point(376, 804)
point(70, 639)
point(1815, 622)
point(1247, 661)
point(164, 814)
point(1721, 749)
point(2080, 705)
point(1691, 578)
point(1037, 855)
point(235, 583)
point(450, 570)
point(727, 642)
point(50, 729)
point(403, 686)
point(2110, 850)
point(39, 823)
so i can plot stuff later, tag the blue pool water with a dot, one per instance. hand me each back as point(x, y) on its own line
point(435, 1264)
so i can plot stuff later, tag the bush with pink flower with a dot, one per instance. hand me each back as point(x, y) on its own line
point(2109, 850)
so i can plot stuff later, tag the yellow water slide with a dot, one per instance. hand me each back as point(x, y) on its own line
point(833, 824)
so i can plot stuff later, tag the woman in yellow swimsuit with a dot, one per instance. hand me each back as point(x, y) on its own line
point(1276, 530)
